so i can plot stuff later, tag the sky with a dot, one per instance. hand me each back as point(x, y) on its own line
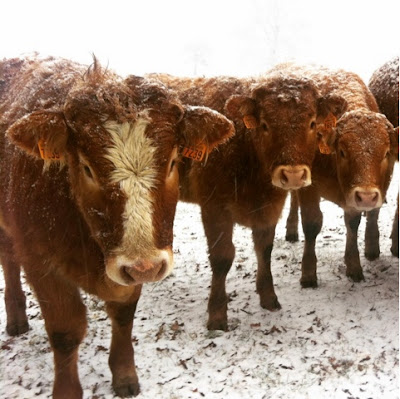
point(207, 37)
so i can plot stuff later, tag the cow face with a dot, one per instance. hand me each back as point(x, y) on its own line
point(120, 142)
point(283, 114)
point(366, 146)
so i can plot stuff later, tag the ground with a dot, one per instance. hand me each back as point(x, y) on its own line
point(337, 341)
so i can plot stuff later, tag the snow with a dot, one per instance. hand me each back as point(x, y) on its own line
point(337, 341)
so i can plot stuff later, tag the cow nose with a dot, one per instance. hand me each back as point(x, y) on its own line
point(366, 198)
point(143, 271)
point(126, 271)
point(291, 177)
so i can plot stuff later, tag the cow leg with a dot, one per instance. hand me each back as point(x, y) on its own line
point(311, 219)
point(218, 227)
point(395, 232)
point(14, 297)
point(122, 363)
point(372, 250)
point(65, 319)
point(263, 243)
point(292, 222)
point(352, 256)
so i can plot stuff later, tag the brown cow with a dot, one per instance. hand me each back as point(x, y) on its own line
point(89, 187)
point(352, 169)
point(384, 85)
point(247, 179)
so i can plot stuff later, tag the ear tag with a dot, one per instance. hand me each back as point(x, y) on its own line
point(324, 148)
point(330, 121)
point(196, 153)
point(250, 121)
point(46, 154)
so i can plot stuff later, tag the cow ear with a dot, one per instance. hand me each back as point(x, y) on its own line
point(201, 126)
point(242, 108)
point(42, 134)
point(326, 140)
point(329, 109)
point(328, 105)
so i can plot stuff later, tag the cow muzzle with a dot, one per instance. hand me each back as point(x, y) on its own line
point(291, 177)
point(364, 198)
point(125, 271)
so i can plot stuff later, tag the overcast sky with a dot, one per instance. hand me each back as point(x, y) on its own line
point(205, 37)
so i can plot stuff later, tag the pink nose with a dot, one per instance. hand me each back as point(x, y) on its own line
point(144, 271)
point(291, 177)
point(366, 198)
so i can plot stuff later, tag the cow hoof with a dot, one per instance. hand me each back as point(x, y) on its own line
point(356, 277)
point(127, 388)
point(17, 329)
point(372, 255)
point(309, 283)
point(271, 305)
point(292, 237)
point(217, 325)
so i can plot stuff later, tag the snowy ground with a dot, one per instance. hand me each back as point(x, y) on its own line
point(337, 341)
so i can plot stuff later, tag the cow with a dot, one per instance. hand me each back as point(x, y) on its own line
point(352, 169)
point(89, 185)
point(384, 85)
point(246, 181)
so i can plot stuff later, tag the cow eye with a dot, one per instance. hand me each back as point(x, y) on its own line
point(173, 163)
point(264, 126)
point(87, 171)
point(313, 125)
point(342, 154)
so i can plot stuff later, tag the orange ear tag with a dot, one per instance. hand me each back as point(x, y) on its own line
point(46, 154)
point(250, 121)
point(196, 153)
point(324, 148)
point(330, 121)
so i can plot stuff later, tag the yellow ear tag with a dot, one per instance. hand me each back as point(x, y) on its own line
point(324, 148)
point(196, 153)
point(46, 154)
point(330, 121)
point(250, 121)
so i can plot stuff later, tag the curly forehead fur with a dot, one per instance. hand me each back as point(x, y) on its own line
point(116, 98)
point(358, 121)
point(284, 89)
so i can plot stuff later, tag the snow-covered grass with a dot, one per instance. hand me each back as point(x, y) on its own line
point(337, 341)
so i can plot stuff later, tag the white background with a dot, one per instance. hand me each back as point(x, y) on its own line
point(234, 37)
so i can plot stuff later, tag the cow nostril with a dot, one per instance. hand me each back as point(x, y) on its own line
point(162, 271)
point(284, 179)
point(126, 274)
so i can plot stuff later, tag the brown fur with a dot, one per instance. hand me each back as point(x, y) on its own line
point(384, 85)
point(237, 183)
point(63, 219)
point(363, 149)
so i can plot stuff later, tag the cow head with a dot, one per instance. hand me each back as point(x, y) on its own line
point(120, 141)
point(283, 113)
point(366, 146)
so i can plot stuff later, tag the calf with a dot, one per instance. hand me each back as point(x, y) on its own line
point(384, 85)
point(247, 180)
point(89, 184)
point(352, 169)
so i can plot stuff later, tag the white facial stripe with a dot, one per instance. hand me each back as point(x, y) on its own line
point(132, 154)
